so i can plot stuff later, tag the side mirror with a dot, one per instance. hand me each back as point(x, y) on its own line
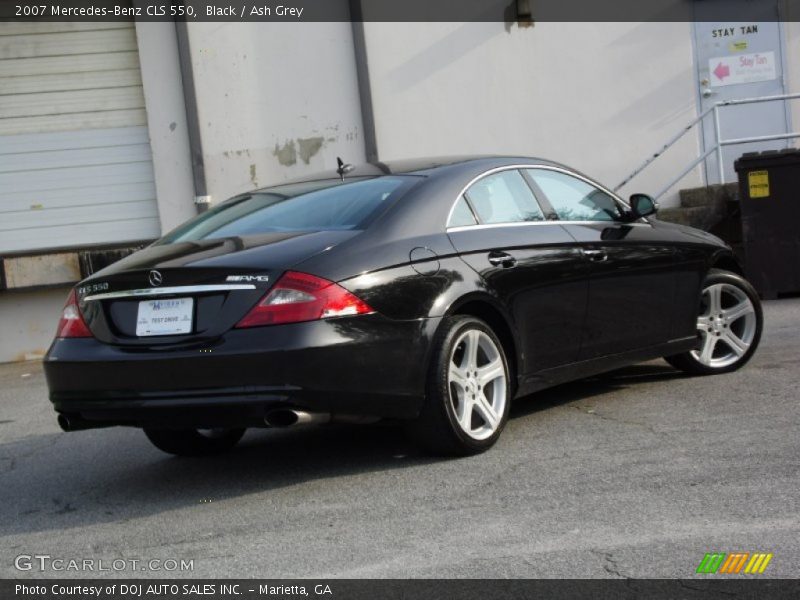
point(642, 205)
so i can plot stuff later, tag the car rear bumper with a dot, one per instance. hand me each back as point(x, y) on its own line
point(366, 365)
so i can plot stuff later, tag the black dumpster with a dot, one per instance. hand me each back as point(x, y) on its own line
point(769, 184)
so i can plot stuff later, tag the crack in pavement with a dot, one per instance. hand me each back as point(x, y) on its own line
point(645, 426)
point(11, 461)
point(610, 565)
point(8, 464)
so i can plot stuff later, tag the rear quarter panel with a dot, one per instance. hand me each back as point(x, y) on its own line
point(416, 290)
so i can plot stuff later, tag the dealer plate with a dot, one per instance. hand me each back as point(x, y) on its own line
point(164, 317)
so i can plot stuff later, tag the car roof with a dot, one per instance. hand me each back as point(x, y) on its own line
point(424, 167)
point(432, 165)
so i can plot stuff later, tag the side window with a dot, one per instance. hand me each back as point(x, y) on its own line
point(573, 199)
point(504, 197)
point(462, 215)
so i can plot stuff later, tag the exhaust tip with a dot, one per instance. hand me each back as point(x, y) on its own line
point(78, 423)
point(64, 423)
point(281, 418)
point(286, 417)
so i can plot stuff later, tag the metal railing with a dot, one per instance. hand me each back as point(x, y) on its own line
point(719, 142)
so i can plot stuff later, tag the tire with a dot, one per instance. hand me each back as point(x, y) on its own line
point(464, 413)
point(194, 442)
point(728, 336)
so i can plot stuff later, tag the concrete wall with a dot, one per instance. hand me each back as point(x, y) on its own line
point(166, 122)
point(598, 96)
point(275, 101)
point(28, 322)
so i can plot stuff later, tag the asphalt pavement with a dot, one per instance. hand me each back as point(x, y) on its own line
point(637, 473)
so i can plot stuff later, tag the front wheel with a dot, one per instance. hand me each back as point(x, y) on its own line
point(194, 442)
point(728, 326)
point(469, 390)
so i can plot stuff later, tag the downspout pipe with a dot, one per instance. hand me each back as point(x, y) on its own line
point(362, 77)
point(202, 200)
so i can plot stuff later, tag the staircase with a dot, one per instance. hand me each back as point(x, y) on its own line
point(704, 207)
point(714, 209)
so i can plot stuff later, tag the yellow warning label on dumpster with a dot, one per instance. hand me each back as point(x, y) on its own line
point(758, 181)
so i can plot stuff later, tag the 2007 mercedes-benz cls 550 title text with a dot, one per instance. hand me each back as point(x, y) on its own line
point(433, 291)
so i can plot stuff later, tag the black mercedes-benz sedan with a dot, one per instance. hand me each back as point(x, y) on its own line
point(434, 291)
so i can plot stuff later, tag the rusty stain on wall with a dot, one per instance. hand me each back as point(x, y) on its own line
point(286, 154)
point(309, 147)
point(37, 354)
point(231, 153)
point(46, 269)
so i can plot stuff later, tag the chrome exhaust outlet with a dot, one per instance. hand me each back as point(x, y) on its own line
point(73, 423)
point(285, 417)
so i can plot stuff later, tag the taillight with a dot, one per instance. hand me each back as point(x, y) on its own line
point(72, 324)
point(301, 297)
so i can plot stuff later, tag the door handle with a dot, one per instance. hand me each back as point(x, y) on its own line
point(596, 255)
point(502, 259)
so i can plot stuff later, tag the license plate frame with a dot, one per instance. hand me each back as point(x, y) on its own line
point(164, 316)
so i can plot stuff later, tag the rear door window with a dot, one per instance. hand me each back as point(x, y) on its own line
point(504, 197)
point(462, 215)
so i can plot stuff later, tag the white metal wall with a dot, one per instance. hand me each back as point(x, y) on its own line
point(276, 101)
point(600, 97)
point(75, 161)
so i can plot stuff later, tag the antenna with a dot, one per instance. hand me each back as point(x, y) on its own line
point(343, 168)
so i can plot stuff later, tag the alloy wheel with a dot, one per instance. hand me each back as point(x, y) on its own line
point(477, 383)
point(727, 326)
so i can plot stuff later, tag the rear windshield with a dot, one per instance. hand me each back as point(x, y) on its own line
point(310, 206)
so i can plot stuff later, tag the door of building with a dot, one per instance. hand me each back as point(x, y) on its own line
point(739, 59)
point(76, 168)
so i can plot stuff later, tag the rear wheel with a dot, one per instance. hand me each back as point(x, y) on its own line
point(194, 442)
point(728, 326)
point(469, 390)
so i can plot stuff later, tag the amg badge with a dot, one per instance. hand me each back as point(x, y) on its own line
point(248, 278)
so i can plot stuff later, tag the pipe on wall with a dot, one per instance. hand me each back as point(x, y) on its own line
point(362, 77)
point(201, 198)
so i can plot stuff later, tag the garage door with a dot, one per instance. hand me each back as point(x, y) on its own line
point(75, 162)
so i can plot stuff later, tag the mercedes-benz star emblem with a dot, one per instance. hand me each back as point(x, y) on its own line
point(155, 278)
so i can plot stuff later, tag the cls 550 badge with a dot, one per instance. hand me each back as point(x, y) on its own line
point(90, 289)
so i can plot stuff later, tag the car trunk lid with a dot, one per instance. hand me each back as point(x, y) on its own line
point(191, 292)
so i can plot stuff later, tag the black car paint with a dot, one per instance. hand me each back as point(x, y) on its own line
point(565, 316)
point(337, 365)
point(199, 263)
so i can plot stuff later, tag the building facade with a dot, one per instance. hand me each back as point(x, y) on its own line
point(113, 133)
